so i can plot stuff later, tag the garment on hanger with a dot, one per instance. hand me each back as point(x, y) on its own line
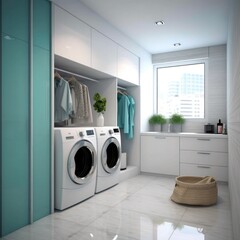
point(63, 99)
point(126, 113)
point(82, 111)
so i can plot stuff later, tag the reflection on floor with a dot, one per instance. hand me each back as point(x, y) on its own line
point(137, 209)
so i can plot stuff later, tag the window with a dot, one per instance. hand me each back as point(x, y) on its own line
point(180, 89)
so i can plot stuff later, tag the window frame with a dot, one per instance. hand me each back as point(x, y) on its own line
point(184, 63)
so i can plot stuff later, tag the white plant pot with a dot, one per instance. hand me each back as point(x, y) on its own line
point(100, 120)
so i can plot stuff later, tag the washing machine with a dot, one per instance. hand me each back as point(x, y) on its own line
point(75, 154)
point(109, 157)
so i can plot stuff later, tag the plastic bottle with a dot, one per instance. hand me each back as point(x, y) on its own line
point(219, 127)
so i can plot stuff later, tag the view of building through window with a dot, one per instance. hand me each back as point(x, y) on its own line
point(180, 89)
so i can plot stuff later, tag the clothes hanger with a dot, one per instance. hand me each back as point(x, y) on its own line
point(122, 92)
point(57, 76)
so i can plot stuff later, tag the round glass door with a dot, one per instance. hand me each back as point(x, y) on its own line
point(82, 162)
point(111, 152)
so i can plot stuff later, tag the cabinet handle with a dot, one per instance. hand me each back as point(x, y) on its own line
point(203, 167)
point(204, 153)
point(203, 139)
point(160, 137)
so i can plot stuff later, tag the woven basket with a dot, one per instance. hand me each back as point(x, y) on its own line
point(195, 190)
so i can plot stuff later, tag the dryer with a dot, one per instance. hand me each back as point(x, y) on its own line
point(75, 154)
point(109, 156)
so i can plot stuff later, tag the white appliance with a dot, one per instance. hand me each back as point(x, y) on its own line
point(75, 165)
point(109, 156)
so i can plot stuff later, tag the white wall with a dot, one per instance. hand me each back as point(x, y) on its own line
point(233, 105)
point(215, 91)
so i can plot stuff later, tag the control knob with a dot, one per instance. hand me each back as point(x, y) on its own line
point(81, 134)
point(110, 131)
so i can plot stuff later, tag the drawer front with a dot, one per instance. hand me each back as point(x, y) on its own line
point(203, 144)
point(204, 157)
point(219, 173)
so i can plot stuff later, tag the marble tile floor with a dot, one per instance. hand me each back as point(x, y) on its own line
point(136, 209)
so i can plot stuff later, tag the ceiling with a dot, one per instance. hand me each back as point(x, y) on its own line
point(189, 22)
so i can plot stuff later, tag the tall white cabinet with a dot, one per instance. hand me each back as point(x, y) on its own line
point(84, 50)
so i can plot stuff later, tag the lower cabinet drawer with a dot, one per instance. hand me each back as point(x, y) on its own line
point(204, 158)
point(220, 173)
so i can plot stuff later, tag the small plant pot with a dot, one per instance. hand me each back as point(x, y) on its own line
point(157, 127)
point(177, 128)
point(100, 120)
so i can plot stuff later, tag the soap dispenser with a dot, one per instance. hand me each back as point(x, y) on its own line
point(219, 127)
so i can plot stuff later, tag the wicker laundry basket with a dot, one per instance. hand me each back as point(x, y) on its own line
point(195, 190)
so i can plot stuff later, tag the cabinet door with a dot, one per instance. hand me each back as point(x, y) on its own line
point(72, 38)
point(104, 54)
point(15, 21)
point(15, 134)
point(128, 66)
point(160, 154)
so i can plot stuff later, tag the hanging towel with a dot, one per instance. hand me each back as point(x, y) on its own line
point(123, 113)
point(63, 100)
point(131, 117)
point(126, 114)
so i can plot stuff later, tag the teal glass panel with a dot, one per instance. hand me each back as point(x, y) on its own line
point(15, 18)
point(15, 134)
point(41, 133)
point(42, 23)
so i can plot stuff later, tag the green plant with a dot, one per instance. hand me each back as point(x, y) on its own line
point(176, 119)
point(157, 119)
point(100, 103)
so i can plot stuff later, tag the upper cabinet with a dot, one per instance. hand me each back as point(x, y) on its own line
point(80, 43)
point(72, 37)
point(128, 66)
point(104, 53)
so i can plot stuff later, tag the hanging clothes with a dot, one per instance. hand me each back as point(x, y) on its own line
point(63, 99)
point(82, 111)
point(126, 113)
point(131, 116)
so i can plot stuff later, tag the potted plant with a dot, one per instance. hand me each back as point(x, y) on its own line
point(157, 120)
point(176, 120)
point(100, 107)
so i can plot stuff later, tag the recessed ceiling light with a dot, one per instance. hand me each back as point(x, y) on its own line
point(177, 44)
point(160, 22)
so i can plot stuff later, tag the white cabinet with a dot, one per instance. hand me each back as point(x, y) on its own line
point(104, 53)
point(128, 66)
point(160, 154)
point(204, 156)
point(72, 38)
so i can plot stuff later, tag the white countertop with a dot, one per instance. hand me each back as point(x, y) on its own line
point(184, 134)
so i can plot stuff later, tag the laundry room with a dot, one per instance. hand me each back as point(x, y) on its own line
point(81, 155)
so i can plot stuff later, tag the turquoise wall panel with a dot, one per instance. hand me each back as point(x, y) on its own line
point(42, 24)
point(15, 17)
point(15, 134)
point(41, 134)
point(16, 116)
point(41, 109)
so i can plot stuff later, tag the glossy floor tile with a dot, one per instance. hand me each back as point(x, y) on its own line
point(137, 209)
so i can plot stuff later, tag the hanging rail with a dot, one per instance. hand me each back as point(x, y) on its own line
point(75, 74)
point(121, 88)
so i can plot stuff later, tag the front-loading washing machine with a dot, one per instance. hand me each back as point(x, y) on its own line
point(109, 157)
point(75, 154)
